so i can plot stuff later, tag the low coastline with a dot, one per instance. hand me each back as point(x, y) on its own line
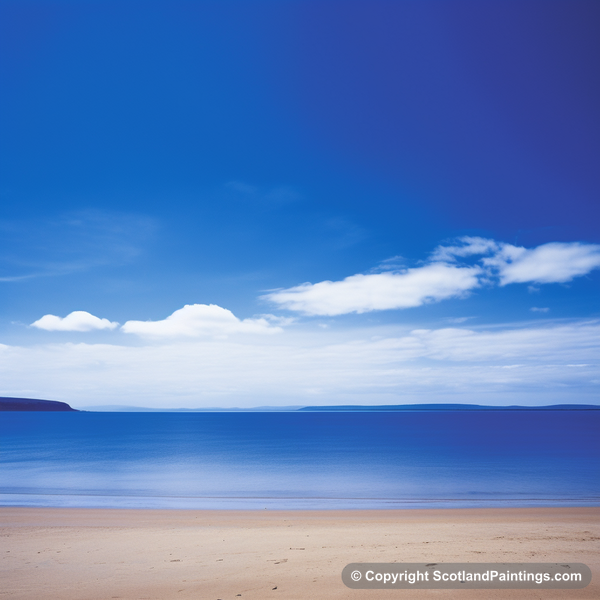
point(85, 554)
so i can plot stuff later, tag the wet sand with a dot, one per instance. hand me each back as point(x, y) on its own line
point(89, 554)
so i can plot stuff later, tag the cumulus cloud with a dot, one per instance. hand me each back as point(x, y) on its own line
point(379, 291)
point(78, 320)
point(195, 320)
point(452, 271)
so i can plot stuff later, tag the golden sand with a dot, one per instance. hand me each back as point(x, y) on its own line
point(89, 554)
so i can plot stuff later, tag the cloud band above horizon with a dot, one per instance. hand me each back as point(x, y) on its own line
point(534, 364)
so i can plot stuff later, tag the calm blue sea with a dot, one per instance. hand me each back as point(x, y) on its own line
point(300, 460)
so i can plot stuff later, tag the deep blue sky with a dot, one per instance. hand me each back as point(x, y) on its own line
point(158, 154)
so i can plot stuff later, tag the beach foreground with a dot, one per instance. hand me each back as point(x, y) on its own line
point(85, 554)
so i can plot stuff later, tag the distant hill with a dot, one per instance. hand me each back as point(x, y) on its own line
point(444, 408)
point(124, 408)
point(31, 404)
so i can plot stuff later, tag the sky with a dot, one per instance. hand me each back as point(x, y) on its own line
point(267, 203)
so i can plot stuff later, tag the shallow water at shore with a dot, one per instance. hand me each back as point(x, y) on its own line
point(300, 460)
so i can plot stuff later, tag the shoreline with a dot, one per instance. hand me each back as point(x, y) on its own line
point(88, 553)
point(275, 504)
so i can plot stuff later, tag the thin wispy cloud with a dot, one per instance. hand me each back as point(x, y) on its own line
point(70, 243)
point(278, 195)
point(466, 246)
point(78, 320)
point(196, 320)
point(342, 233)
point(450, 272)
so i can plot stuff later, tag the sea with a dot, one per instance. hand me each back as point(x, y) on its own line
point(300, 460)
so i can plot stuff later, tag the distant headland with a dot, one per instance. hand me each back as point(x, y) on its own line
point(444, 407)
point(30, 404)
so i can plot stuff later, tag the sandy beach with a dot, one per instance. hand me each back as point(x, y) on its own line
point(89, 554)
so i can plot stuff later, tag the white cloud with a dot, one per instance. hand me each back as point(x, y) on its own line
point(549, 263)
point(195, 320)
point(379, 291)
point(447, 274)
point(468, 246)
point(528, 345)
point(556, 363)
point(276, 320)
point(78, 320)
point(544, 309)
point(555, 262)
